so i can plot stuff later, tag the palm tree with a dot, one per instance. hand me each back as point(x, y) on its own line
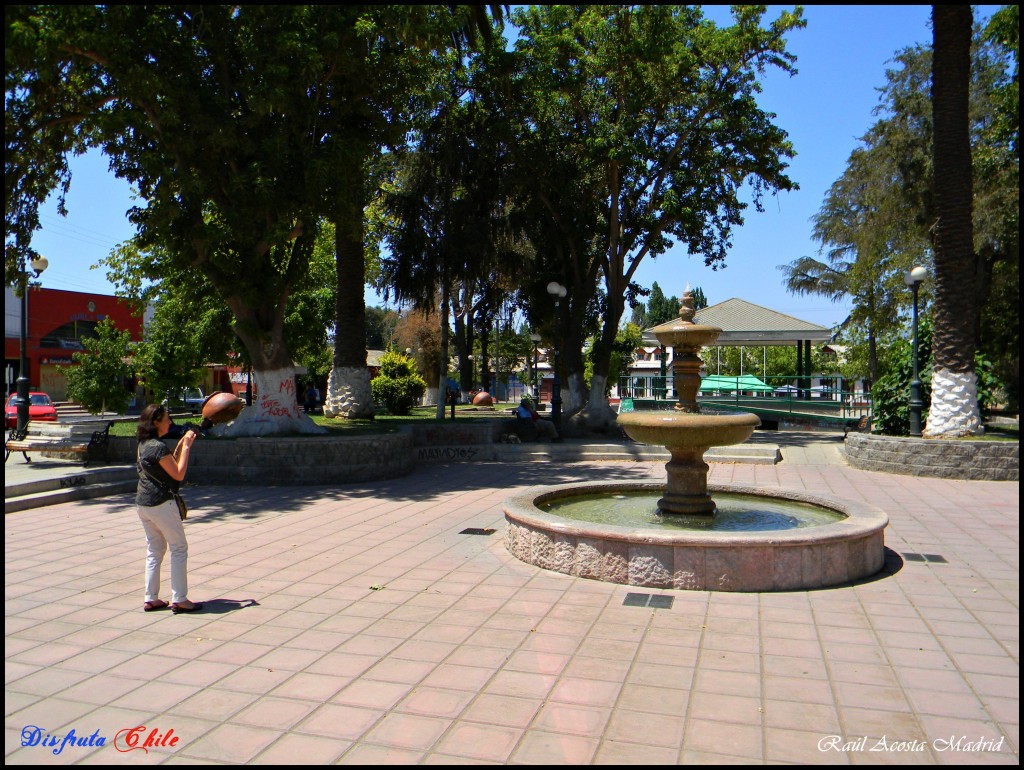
point(954, 409)
point(862, 252)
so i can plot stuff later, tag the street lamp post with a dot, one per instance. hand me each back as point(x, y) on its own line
point(38, 265)
point(535, 338)
point(557, 291)
point(913, 278)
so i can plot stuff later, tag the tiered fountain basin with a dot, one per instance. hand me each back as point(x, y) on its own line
point(847, 549)
point(669, 428)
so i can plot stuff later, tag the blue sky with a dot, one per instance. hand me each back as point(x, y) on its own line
point(842, 56)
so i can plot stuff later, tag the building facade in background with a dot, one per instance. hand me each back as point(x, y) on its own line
point(58, 321)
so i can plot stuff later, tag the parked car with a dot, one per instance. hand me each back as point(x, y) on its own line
point(187, 398)
point(40, 409)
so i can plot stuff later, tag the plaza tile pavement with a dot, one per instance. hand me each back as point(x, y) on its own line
point(355, 625)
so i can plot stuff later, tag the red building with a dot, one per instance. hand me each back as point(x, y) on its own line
point(57, 323)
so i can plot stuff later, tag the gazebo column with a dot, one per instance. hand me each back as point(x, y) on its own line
point(799, 368)
point(807, 365)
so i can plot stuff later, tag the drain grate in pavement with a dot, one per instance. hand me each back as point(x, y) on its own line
point(648, 600)
point(929, 557)
point(476, 531)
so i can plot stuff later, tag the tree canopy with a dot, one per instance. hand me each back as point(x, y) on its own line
point(240, 127)
point(877, 219)
point(641, 125)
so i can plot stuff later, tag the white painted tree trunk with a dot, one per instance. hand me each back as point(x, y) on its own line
point(274, 412)
point(597, 415)
point(954, 410)
point(348, 393)
point(597, 398)
point(573, 395)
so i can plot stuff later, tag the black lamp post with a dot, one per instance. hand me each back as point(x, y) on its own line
point(556, 290)
point(535, 338)
point(913, 278)
point(38, 265)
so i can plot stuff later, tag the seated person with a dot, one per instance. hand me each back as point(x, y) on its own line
point(545, 428)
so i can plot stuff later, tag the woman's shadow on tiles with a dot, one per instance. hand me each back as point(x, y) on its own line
point(222, 606)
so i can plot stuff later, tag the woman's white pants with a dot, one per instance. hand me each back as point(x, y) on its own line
point(164, 529)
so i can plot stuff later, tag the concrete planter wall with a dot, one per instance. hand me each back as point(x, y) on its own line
point(962, 459)
point(472, 440)
point(307, 460)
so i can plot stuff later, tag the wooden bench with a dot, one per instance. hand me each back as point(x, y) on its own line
point(69, 439)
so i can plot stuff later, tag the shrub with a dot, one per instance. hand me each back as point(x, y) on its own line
point(398, 386)
point(98, 382)
point(891, 394)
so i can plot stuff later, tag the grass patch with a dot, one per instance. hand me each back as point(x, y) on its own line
point(1008, 432)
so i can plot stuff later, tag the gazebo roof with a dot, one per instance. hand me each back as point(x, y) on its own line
point(744, 323)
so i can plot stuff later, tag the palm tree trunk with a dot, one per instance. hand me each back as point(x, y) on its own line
point(954, 407)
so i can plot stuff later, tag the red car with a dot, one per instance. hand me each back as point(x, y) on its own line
point(40, 408)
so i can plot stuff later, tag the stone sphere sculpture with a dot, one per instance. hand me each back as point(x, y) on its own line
point(222, 407)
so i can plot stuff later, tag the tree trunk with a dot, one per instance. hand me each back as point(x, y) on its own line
point(569, 336)
point(954, 407)
point(348, 387)
point(276, 409)
point(485, 374)
point(597, 415)
point(442, 383)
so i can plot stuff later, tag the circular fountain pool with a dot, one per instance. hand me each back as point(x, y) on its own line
point(843, 544)
point(734, 513)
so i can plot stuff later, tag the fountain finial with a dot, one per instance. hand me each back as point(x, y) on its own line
point(686, 311)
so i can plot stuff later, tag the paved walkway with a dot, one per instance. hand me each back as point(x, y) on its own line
point(357, 625)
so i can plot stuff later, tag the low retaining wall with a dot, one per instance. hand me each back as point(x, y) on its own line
point(473, 440)
point(284, 460)
point(960, 459)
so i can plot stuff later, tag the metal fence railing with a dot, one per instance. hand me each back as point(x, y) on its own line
point(806, 395)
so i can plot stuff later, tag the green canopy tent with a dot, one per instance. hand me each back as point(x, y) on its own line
point(714, 383)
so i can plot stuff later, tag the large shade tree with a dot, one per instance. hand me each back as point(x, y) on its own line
point(643, 121)
point(240, 126)
point(211, 113)
point(445, 210)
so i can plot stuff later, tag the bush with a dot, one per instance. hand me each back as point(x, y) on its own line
point(98, 382)
point(398, 386)
point(891, 394)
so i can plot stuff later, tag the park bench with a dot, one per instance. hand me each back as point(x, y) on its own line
point(73, 439)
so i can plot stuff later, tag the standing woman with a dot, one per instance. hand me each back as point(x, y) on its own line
point(160, 475)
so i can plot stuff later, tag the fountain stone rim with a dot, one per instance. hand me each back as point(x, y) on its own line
point(861, 519)
point(778, 560)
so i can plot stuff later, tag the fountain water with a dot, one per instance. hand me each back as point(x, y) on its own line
point(752, 556)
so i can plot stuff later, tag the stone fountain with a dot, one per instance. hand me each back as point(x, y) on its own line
point(769, 539)
point(687, 432)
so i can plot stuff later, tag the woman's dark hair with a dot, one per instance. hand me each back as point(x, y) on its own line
point(147, 422)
